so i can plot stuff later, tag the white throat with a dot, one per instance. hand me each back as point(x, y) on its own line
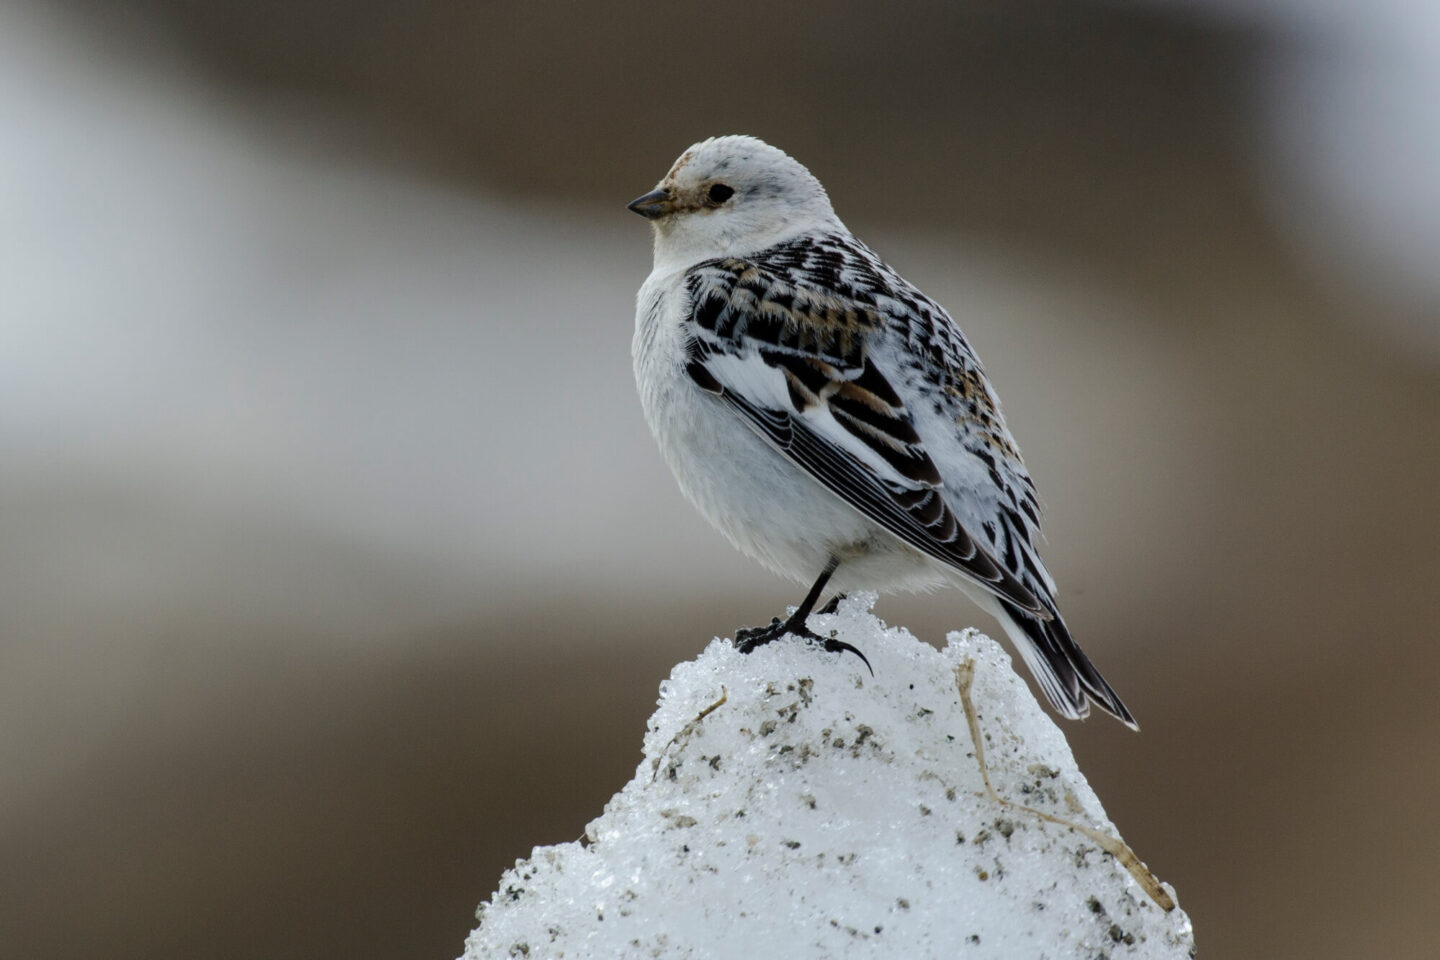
point(684, 242)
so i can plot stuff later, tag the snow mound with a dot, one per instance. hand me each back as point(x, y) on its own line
point(790, 805)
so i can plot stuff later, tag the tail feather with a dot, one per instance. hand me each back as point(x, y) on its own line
point(1068, 678)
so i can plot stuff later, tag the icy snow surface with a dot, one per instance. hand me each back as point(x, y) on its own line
point(790, 805)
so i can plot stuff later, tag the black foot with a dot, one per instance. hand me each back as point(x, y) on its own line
point(833, 605)
point(749, 638)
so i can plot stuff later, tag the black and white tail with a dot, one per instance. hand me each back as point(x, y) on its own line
point(1070, 681)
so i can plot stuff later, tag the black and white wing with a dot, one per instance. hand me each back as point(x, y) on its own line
point(830, 410)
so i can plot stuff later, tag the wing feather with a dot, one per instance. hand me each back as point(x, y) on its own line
point(844, 422)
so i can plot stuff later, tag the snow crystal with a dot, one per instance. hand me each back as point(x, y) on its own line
point(791, 805)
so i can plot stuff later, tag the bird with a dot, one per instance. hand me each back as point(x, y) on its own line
point(829, 418)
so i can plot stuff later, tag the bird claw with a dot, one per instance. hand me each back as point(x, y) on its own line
point(748, 639)
point(832, 645)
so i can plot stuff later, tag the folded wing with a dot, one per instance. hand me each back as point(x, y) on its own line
point(792, 361)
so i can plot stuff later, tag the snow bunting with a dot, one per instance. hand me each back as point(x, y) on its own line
point(828, 417)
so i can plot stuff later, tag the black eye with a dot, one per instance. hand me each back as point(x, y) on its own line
point(720, 192)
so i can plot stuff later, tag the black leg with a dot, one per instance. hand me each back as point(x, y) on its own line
point(833, 605)
point(802, 613)
point(749, 638)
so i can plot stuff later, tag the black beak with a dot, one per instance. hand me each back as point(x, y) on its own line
point(654, 205)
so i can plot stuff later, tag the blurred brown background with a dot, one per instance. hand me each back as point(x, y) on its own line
point(337, 568)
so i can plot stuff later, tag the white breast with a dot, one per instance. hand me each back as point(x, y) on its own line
point(769, 508)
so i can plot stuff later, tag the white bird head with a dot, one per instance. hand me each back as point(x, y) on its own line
point(732, 196)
